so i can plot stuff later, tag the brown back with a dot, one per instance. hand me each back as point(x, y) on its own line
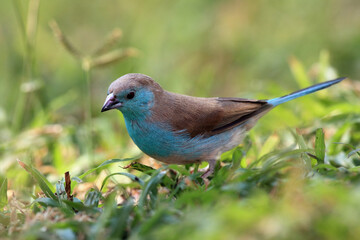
point(206, 116)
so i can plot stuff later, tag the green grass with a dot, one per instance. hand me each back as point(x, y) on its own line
point(295, 176)
point(274, 197)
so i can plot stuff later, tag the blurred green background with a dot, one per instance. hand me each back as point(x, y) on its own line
point(50, 97)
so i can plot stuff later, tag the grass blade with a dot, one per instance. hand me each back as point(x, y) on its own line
point(107, 162)
point(79, 206)
point(320, 145)
point(92, 198)
point(44, 184)
point(3, 193)
point(141, 168)
point(47, 202)
point(353, 152)
point(150, 188)
point(129, 175)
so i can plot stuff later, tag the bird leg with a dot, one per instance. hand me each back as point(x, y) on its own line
point(210, 169)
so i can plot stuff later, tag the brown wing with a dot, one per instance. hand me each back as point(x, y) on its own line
point(240, 110)
point(206, 116)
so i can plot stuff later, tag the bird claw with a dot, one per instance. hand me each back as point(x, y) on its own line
point(207, 173)
point(210, 169)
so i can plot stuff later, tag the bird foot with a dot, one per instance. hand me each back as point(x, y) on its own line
point(210, 169)
point(206, 174)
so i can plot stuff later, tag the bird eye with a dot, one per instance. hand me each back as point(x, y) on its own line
point(130, 95)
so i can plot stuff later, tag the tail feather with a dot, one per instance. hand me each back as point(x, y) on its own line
point(303, 92)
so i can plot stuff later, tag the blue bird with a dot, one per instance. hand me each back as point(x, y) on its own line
point(180, 129)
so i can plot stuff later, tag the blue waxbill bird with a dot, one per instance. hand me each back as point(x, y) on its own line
point(180, 129)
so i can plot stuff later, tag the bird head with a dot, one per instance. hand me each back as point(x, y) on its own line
point(133, 94)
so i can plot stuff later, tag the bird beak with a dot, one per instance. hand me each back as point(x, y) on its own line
point(111, 102)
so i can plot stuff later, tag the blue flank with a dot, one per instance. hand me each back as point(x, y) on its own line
point(303, 92)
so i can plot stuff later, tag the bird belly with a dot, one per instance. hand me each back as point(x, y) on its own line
point(163, 144)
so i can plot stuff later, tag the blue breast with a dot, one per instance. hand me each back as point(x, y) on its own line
point(152, 139)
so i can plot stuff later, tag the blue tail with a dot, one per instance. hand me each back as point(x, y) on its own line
point(303, 92)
